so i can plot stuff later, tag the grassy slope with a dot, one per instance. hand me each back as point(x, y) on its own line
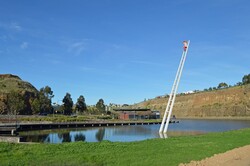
point(228, 102)
point(9, 84)
point(171, 151)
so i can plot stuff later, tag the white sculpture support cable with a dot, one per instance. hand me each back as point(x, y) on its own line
point(172, 95)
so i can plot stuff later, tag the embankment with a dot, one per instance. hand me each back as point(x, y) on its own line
point(233, 102)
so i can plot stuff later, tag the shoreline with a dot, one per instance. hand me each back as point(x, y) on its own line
point(127, 121)
point(210, 144)
point(216, 118)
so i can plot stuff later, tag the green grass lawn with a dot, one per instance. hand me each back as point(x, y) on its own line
point(171, 151)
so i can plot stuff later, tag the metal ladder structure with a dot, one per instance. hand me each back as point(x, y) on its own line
point(169, 108)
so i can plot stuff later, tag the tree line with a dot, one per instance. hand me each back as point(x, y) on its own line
point(41, 103)
point(222, 85)
point(26, 103)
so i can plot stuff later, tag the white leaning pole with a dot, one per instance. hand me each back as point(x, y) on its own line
point(169, 108)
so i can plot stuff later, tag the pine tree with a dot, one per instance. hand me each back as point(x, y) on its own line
point(68, 104)
point(80, 104)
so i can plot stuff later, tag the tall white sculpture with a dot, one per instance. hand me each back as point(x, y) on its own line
point(169, 108)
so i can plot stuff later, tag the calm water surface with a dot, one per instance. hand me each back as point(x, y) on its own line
point(132, 133)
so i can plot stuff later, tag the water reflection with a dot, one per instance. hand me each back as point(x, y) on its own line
point(66, 137)
point(80, 137)
point(36, 138)
point(132, 133)
point(100, 134)
point(133, 130)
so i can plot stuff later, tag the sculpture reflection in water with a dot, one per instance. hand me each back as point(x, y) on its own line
point(163, 135)
point(100, 134)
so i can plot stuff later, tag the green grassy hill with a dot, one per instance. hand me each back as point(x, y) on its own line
point(11, 83)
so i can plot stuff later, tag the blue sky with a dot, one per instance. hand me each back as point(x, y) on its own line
point(124, 51)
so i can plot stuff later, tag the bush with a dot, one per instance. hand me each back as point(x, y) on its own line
point(104, 117)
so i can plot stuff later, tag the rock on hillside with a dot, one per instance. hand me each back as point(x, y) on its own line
point(12, 83)
point(229, 102)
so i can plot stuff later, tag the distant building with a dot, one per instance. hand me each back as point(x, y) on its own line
point(155, 115)
point(136, 114)
point(189, 92)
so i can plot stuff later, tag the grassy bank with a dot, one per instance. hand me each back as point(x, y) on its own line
point(171, 151)
point(63, 118)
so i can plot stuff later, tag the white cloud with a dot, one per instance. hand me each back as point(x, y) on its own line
point(15, 26)
point(11, 26)
point(24, 45)
point(77, 48)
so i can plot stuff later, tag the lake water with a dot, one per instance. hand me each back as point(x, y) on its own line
point(132, 133)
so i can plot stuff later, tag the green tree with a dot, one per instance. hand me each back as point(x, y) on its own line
point(48, 93)
point(45, 97)
point(15, 103)
point(35, 105)
point(3, 105)
point(67, 104)
point(80, 104)
point(246, 79)
point(222, 85)
point(100, 105)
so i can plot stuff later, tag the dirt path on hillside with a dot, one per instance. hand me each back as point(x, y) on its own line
point(236, 157)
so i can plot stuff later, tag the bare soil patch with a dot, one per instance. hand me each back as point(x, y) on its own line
point(236, 157)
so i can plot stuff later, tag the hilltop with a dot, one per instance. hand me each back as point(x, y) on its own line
point(12, 84)
point(9, 82)
point(226, 102)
